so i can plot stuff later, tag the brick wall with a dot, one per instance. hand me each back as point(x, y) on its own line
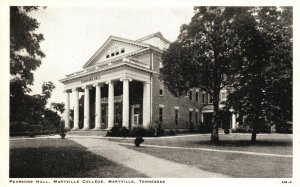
point(169, 102)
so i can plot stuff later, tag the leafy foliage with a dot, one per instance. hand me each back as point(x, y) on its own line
point(25, 53)
point(209, 53)
point(264, 87)
point(58, 107)
point(25, 57)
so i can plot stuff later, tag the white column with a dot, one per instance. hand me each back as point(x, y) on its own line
point(67, 111)
point(233, 121)
point(146, 104)
point(110, 104)
point(202, 118)
point(76, 109)
point(125, 111)
point(98, 107)
point(86, 124)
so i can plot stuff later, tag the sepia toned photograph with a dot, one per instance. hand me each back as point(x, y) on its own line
point(142, 94)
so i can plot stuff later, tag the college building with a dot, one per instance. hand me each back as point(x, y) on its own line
point(121, 86)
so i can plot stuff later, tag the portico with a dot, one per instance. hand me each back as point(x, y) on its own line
point(123, 72)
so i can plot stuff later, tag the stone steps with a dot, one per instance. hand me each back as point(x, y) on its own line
point(88, 132)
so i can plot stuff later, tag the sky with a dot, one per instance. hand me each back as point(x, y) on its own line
point(73, 34)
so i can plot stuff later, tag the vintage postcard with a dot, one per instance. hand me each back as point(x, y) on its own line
point(159, 93)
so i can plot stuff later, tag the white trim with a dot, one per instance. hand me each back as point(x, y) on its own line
point(161, 106)
point(104, 45)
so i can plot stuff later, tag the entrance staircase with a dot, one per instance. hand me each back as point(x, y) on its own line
point(90, 132)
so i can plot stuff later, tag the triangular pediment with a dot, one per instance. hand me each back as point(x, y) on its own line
point(114, 47)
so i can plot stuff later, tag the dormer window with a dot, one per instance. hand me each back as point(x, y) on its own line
point(112, 52)
point(117, 50)
point(107, 55)
point(123, 50)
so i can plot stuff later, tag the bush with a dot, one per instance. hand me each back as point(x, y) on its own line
point(204, 128)
point(284, 127)
point(114, 131)
point(124, 132)
point(138, 141)
point(139, 131)
point(191, 127)
point(172, 133)
point(226, 131)
point(243, 129)
point(155, 129)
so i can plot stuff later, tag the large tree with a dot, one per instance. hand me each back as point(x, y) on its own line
point(25, 56)
point(264, 87)
point(209, 53)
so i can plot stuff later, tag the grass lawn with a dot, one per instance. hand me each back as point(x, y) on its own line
point(232, 164)
point(55, 158)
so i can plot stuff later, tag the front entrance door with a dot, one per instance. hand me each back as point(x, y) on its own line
point(135, 115)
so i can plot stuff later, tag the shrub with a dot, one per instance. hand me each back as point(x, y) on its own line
point(31, 134)
point(172, 133)
point(124, 132)
point(138, 141)
point(226, 131)
point(204, 128)
point(139, 131)
point(191, 127)
point(243, 129)
point(109, 133)
point(155, 129)
point(284, 127)
point(114, 131)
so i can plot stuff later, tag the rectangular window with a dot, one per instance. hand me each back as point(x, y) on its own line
point(191, 95)
point(123, 50)
point(176, 117)
point(190, 116)
point(203, 98)
point(161, 89)
point(210, 99)
point(196, 118)
point(177, 94)
point(107, 55)
point(223, 96)
point(197, 95)
point(161, 115)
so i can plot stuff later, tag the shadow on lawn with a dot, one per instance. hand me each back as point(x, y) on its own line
point(60, 160)
point(245, 143)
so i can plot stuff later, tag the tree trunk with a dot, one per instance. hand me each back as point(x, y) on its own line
point(254, 128)
point(254, 132)
point(214, 131)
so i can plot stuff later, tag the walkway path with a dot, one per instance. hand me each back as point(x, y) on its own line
point(149, 165)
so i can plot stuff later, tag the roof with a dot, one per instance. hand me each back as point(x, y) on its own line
point(110, 38)
point(157, 34)
point(138, 42)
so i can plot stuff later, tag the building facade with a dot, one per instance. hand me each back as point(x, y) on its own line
point(121, 86)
